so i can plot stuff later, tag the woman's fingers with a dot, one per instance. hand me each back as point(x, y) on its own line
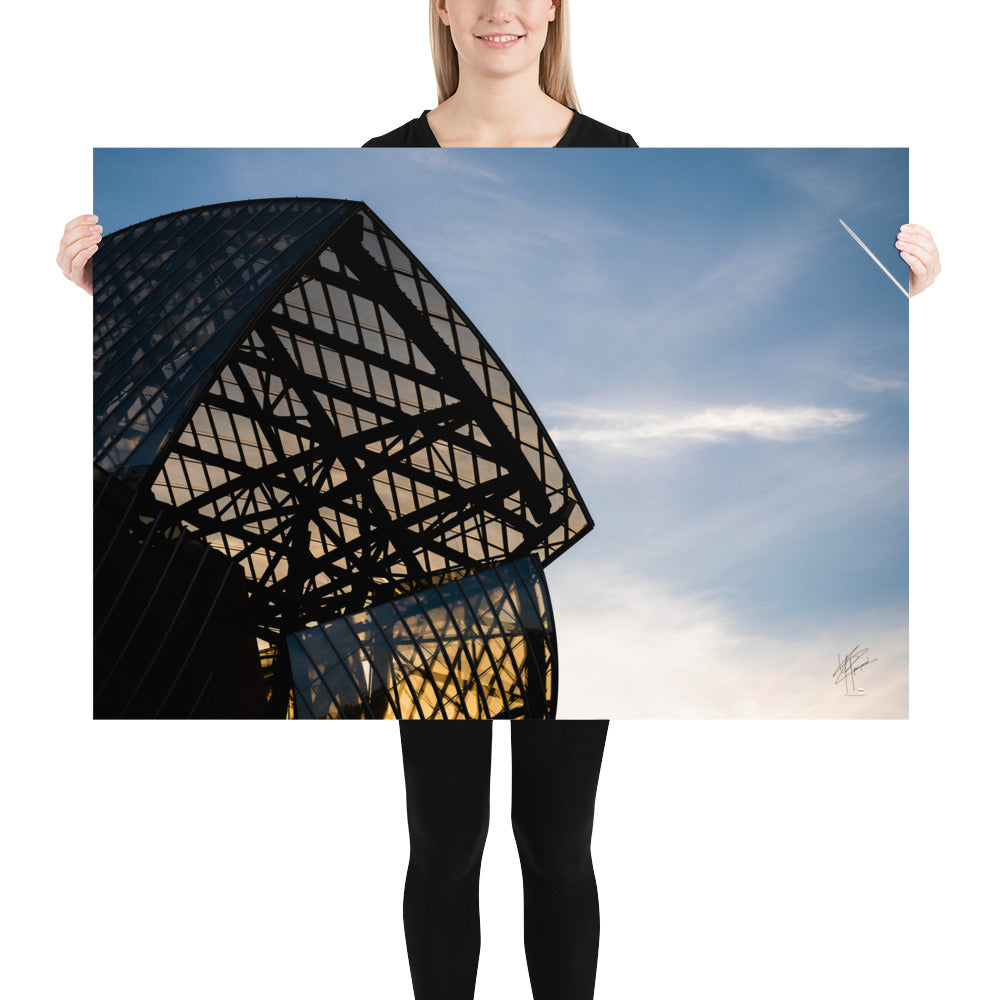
point(917, 247)
point(80, 260)
point(81, 220)
point(80, 272)
point(79, 228)
point(925, 256)
point(908, 241)
point(68, 254)
point(83, 243)
point(80, 239)
point(916, 264)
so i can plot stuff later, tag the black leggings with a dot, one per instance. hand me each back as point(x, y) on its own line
point(555, 767)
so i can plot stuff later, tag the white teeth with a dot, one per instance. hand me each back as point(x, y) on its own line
point(500, 38)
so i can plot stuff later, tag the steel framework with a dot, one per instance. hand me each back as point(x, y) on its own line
point(287, 378)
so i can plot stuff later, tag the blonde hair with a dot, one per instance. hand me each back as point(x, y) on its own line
point(555, 74)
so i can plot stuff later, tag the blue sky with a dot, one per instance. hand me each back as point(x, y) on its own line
point(723, 369)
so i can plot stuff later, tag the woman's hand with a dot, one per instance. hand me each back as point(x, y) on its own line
point(76, 249)
point(916, 246)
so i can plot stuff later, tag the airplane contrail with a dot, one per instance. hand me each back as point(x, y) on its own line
point(873, 257)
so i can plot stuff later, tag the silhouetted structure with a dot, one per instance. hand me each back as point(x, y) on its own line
point(294, 424)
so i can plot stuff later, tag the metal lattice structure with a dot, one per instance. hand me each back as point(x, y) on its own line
point(287, 377)
point(480, 647)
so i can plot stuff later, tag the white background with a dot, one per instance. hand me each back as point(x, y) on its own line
point(253, 860)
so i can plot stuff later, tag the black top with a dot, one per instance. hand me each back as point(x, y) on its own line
point(582, 131)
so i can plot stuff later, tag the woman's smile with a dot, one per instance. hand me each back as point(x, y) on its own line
point(499, 41)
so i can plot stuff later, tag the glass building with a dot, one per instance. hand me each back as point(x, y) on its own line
point(318, 491)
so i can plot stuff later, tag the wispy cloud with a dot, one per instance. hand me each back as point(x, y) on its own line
point(453, 163)
point(868, 383)
point(829, 178)
point(647, 432)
